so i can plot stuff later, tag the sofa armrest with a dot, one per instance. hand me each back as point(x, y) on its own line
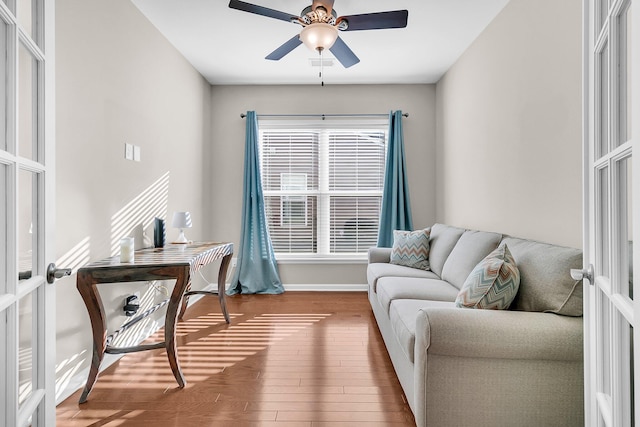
point(499, 334)
point(379, 255)
point(469, 362)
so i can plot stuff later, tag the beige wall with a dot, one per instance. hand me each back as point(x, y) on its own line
point(118, 80)
point(227, 153)
point(509, 126)
point(506, 155)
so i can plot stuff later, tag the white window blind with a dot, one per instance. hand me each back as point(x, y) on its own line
point(323, 186)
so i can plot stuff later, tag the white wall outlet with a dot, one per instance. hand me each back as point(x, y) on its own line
point(234, 262)
point(136, 153)
point(128, 151)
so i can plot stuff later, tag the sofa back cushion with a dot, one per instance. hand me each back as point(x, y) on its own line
point(442, 240)
point(470, 249)
point(545, 282)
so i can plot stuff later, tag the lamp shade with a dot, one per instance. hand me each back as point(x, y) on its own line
point(319, 36)
point(181, 220)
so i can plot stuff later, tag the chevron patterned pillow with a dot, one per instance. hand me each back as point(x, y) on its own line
point(493, 283)
point(411, 248)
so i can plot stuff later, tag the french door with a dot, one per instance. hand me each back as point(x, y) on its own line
point(612, 209)
point(27, 300)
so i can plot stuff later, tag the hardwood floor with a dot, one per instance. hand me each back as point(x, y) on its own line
point(298, 359)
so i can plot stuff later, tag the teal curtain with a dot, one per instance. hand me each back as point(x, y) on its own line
point(395, 213)
point(256, 270)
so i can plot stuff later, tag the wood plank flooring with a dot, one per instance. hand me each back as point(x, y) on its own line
point(307, 359)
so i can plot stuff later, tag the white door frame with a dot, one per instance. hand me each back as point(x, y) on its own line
point(27, 162)
point(611, 212)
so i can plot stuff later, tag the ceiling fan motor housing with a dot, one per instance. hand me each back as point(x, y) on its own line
point(319, 15)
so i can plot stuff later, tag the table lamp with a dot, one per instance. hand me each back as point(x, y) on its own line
point(181, 220)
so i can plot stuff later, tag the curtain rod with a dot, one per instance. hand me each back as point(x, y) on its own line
point(242, 115)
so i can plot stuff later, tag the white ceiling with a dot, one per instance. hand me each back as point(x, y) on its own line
point(228, 46)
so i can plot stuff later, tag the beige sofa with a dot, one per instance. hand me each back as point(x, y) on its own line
point(473, 367)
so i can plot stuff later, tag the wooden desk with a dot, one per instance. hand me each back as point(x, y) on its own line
point(177, 262)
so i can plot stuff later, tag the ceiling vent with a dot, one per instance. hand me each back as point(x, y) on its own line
point(325, 62)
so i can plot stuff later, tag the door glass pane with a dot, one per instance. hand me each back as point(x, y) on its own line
point(601, 13)
point(26, 10)
point(626, 365)
point(3, 85)
point(11, 4)
point(623, 120)
point(602, 222)
point(4, 261)
point(26, 339)
point(628, 31)
point(26, 224)
point(602, 124)
point(604, 343)
point(6, 368)
point(632, 388)
point(625, 234)
point(27, 91)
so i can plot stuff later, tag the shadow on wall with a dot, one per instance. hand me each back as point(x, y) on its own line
point(132, 220)
point(139, 214)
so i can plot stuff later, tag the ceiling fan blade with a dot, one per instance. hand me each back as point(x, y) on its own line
point(327, 4)
point(264, 11)
point(287, 47)
point(343, 54)
point(376, 21)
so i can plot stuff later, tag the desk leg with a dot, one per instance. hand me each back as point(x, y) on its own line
point(170, 321)
point(222, 278)
point(185, 301)
point(89, 292)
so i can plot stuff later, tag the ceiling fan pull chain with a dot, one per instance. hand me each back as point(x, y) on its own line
point(321, 68)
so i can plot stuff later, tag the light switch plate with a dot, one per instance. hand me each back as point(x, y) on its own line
point(128, 151)
point(136, 153)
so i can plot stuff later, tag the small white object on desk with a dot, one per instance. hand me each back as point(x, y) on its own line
point(126, 249)
point(181, 220)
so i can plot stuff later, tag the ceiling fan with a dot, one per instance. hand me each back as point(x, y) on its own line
point(321, 23)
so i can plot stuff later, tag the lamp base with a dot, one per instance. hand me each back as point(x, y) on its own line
point(181, 238)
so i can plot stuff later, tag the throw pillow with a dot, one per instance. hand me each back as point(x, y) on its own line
point(493, 283)
point(411, 248)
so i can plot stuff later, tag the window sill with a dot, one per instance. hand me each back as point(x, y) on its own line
point(320, 259)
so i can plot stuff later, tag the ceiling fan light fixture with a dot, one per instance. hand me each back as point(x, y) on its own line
point(319, 36)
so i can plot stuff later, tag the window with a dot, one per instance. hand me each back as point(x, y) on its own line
point(323, 186)
point(293, 210)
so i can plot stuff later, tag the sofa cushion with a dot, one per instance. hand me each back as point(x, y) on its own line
point(377, 270)
point(470, 249)
point(403, 314)
point(545, 282)
point(393, 288)
point(442, 240)
point(493, 283)
point(411, 248)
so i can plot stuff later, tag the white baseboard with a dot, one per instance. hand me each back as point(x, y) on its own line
point(315, 287)
point(326, 288)
point(78, 380)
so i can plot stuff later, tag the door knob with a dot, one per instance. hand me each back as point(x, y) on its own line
point(54, 273)
point(585, 273)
